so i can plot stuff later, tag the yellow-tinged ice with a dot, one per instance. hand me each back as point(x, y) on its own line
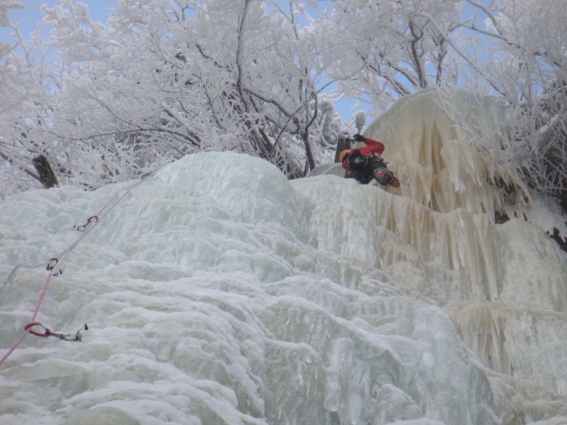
point(436, 160)
point(434, 238)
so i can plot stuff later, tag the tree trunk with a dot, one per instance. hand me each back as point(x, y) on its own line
point(342, 144)
point(46, 175)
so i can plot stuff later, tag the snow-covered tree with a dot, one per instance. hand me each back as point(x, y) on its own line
point(166, 79)
point(163, 79)
point(16, 73)
point(12, 91)
point(516, 51)
point(386, 50)
point(534, 81)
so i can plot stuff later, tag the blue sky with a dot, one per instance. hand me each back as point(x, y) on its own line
point(31, 15)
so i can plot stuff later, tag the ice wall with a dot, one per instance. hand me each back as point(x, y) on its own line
point(217, 292)
point(442, 165)
point(504, 286)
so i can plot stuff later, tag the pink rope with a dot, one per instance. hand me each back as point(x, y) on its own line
point(55, 269)
point(14, 346)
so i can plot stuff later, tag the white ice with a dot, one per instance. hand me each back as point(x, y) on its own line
point(219, 292)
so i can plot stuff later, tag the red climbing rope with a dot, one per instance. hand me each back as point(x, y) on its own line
point(54, 268)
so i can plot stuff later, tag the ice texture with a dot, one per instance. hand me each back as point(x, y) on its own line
point(446, 166)
point(218, 292)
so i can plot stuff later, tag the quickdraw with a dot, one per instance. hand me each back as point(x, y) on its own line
point(51, 265)
point(48, 332)
point(83, 227)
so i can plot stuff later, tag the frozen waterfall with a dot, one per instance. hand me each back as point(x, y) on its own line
point(218, 292)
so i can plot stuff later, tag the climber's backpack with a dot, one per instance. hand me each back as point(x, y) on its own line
point(357, 161)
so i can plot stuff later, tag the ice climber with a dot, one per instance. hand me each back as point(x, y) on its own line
point(365, 163)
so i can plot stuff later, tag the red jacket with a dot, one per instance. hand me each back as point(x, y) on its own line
point(372, 146)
